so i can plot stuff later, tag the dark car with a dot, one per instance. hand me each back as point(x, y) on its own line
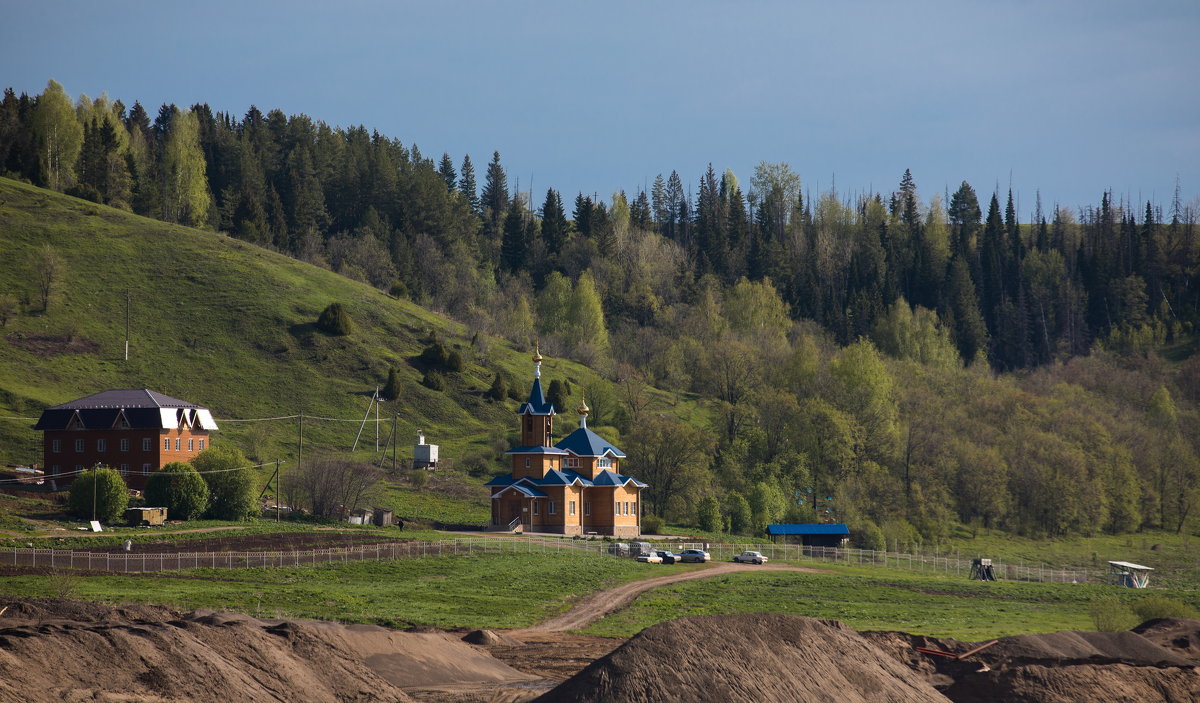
point(669, 557)
point(698, 556)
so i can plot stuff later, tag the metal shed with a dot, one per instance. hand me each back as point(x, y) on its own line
point(1129, 575)
point(811, 535)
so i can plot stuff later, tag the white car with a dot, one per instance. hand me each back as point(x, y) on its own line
point(750, 558)
point(650, 558)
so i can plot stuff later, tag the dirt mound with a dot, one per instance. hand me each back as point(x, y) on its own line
point(752, 658)
point(1065, 648)
point(1111, 683)
point(1176, 635)
point(60, 651)
point(490, 638)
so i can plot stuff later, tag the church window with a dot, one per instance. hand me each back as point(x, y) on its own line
point(605, 462)
point(587, 508)
point(552, 509)
point(535, 507)
point(571, 509)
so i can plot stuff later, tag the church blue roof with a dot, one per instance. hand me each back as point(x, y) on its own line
point(536, 404)
point(535, 450)
point(584, 442)
point(527, 491)
point(609, 478)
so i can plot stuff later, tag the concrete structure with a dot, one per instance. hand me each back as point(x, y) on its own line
point(574, 487)
point(424, 455)
point(134, 431)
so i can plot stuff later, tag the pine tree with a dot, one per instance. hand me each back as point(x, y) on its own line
point(554, 223)
point(466, 183)
point(446, 171)
point(391, 389)
point(583, 215)
point(514, 246)
point(494, 199)
point(639, 212)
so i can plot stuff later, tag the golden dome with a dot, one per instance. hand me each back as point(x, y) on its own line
point(537, 354)
point(583, 408)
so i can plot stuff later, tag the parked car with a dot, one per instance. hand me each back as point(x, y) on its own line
point(698, 556)
point(650, 558)
point(640, 548)
point(620, 549)
point(668, 557)
point(750, 558)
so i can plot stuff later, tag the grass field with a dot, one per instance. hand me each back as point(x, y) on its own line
point(455, 591)
point(877, 600)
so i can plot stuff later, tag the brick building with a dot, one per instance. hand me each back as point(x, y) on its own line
point(571, 488)
point(133, 431)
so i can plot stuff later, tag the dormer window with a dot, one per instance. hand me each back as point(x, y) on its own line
point(605, 462)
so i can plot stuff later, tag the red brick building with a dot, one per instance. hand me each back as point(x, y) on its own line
point(133, 431)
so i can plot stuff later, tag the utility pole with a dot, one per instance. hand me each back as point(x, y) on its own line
point(278, 481)
point(126, 325)
point(376, 399)
point(300, 451)
point(94, 468)
point(395, 441)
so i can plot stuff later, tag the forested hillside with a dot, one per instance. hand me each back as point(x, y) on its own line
point(844, 346)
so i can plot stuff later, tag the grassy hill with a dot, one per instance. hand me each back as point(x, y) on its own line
point(228, 325)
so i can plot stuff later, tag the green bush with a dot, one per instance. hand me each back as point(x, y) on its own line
point(652, 525)
point(391, 389)
point(869, 536)
point(708, 514)
point(179, 489)
point(110, 494)
point(454, 361)
point(335, 320)
point(434, 380)
point(1159, 606)
point(498, 390)
point(231, 491)
point(434, 355)
point(1109, 614)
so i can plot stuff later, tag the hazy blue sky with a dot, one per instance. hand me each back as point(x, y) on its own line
point(1067, 97)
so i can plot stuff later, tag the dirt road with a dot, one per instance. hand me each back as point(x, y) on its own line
point(598, 605)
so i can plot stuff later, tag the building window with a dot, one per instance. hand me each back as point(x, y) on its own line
point(145, 469)
point(79, 445)
point(552, 509)
point(605, 462)
point(56, 445)
point(147, 444)
point(571, 508)
point(573, 462)
point(191, 443)
point(635, 510)
point(124, 469)
point(79, 468)
point(617, 508)
point(176, 444)
point(101, 445)
point(55, 469)
point(626, 507)
point(166, 444)
point(124, 445)
point(201, 444)
point(535, 507)
point(527, 462)
point(587, 508)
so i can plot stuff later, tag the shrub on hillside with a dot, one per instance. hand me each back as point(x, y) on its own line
point(103, 486)
point(869, 536)
point(498, 390)
point(179, 489)
point(335, 320)
point(454, 361)
point(1109, 614)
point(230, 483)
point(391, 389)
point(1159, 606)
point(652, 525)
point(708, 514)
point(434, 380)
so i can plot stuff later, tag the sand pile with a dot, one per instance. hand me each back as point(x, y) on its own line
point(1176, 635)
point(1060, 667)
point(752, 658)
point(64, 651)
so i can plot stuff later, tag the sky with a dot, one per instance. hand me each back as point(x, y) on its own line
point(1066, 99)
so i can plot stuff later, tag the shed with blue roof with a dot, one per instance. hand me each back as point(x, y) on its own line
point(810, 535)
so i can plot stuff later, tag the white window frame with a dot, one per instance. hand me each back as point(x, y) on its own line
point(56, 446)
point(79, 446)
point(604, 462)
point(166, 444)
point(201, 444)
point(124, 444)
point(177, 442)
point(191, 444)
point(527, 462)
point(552, 509)
point(571, 508)
point(101, 445)
point(147, 444)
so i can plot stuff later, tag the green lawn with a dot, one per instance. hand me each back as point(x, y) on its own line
point(877, 599)
point(502, 589)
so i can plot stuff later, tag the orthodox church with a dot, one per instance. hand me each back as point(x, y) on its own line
point(574, 487)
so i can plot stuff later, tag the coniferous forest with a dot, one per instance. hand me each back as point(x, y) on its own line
point(923, 359)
